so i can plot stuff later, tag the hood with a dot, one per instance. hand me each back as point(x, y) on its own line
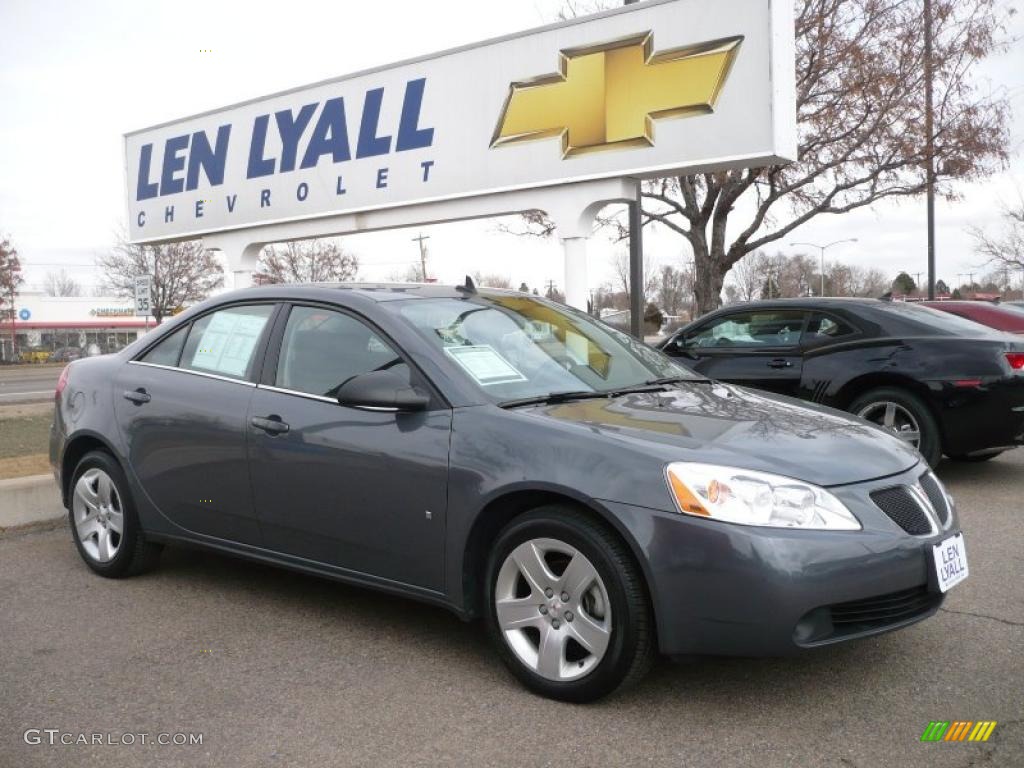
point(723, 424)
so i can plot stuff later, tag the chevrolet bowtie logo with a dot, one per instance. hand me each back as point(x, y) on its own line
point(608, 96)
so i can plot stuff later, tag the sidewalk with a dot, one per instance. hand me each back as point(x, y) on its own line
point(29, 502)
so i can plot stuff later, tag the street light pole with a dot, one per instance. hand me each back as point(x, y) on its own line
point(929, 130)
point(824, 248)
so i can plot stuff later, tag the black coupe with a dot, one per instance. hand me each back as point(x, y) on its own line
point(944, 384)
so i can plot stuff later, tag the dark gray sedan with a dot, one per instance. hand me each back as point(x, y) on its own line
point(507, 458)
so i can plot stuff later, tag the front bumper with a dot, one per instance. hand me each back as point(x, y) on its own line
point(725, 589)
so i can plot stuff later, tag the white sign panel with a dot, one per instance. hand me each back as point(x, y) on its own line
point(659, 87)
point(143, 295)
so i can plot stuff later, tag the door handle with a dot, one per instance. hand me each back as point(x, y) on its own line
point(780, 363)
point(272, 426)
point(138, 396)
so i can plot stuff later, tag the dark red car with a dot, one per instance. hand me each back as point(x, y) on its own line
point(993, 315)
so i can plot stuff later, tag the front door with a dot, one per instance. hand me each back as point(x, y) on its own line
point(759, 348)
point(358, 489)
point(182, 412)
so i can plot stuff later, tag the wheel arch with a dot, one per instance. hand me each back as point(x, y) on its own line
point(506, 507)
point(77, 447)
point(857, 386)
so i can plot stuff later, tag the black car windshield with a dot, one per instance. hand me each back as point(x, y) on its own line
point(516, 347)
point(935, 320)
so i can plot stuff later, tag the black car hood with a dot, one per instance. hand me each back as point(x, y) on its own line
point(723, 424)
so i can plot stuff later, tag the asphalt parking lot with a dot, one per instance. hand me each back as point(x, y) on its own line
point(277, 669)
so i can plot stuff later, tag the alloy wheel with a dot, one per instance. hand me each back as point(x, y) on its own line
point(98, 515)
point(895, 418)
point(553, 609)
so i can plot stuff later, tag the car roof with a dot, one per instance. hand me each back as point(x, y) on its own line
point(374, 292)
point(803, 303)
point(966, 304)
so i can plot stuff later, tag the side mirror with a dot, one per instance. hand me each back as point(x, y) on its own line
point(381, 390)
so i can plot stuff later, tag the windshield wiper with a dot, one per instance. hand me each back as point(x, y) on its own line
point(553, 398)
point(565, 397)
point(675, 380)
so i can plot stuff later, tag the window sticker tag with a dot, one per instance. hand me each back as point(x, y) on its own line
point(228, 343)
point(485, 365)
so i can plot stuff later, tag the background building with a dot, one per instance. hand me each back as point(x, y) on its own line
point(95, 325)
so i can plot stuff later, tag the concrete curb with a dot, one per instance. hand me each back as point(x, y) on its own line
point(29, 502)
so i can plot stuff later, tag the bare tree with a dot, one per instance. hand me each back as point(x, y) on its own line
point(674, 289)
point(307, 261)
point(10, 280)
point(868, 281)
point(859, 79)
point(183, 273)
point(1003, 249)
point(10, 272)
point(411, 274)
point(620, 270)
point(492, 280)
point(61, 284)
point(749, 274)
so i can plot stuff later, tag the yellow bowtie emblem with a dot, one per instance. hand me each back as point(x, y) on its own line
point(608, 96)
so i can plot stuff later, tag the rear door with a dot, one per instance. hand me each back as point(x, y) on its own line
point(181, 408)
point(753, 348)
point(361, 489)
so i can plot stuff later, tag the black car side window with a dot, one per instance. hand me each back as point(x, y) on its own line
point(168, 350)
point(323, 349)
point(225, 342)
point(762, 328)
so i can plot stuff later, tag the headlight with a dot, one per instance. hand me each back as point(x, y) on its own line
point(755, 498)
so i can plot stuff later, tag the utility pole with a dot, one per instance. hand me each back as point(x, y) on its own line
point(422, 240)
point(636, 258)
point(929, 130)
point(917, 280)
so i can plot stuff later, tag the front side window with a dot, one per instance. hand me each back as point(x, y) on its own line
point(323, 349)
point(515, 347)
point(225, 342)
point(770, 328)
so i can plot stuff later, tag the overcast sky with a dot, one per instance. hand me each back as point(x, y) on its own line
point(76, 76)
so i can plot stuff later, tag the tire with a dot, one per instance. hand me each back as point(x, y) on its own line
point(872, 404)
point(611, 611)
point(95, 512)
point(977, 458)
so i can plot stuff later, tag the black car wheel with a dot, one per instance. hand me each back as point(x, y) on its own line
point(567, 608)
point(104, 523)
point(905, 415)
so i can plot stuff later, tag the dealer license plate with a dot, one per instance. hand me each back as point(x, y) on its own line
point(950, 557)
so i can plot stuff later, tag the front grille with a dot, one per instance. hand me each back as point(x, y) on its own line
point(936, 497)
point(883, 610)
point(899, 504)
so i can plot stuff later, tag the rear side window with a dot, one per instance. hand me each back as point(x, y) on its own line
point(168, 350)
point(770, 328)
point(225, 342)
point(323, 349)
point(822, 329)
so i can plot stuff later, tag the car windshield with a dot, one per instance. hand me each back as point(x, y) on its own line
point(517, 347)
point(936, 320)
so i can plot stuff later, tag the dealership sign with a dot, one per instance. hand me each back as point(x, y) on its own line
point(660, 87)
